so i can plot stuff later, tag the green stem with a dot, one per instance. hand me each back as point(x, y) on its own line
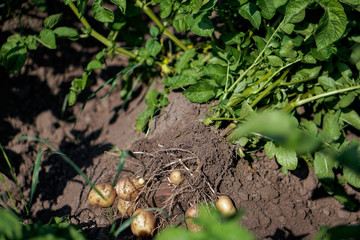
point(256, 60)
point(97, 35)
point(268, 89)
point(158, 23)
point(290, 106)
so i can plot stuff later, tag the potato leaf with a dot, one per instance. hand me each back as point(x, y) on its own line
point(331, 128)
point(351, 165)
point(184, 59)
point(153, 47)
point(102, 14)
point(47, 38)
point(294, 8)
point(200, 92)
point(286, 157)
point(323, 167)
point(351, 117)
point(267, 8)
point(52, 20)
point(200, 24)
point(332, 24)
point(250, 12)
point(216, 72)
point(13, 56)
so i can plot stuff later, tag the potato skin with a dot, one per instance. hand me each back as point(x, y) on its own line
point(128, 188)
point(126, 208)
point(144, 223)
point(190, 214)
point(175, 177)
point(107, 191)
point(225, 206)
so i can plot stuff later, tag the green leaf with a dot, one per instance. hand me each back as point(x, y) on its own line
point(286, 158)
point(331, 128)
point(270, 149)
point(10, 227)
point(66, 32)
point(294, 9)
point(94, 64)
point(154, 31)
point(200, 92)
point(184, 59)
point(250, 12)
point(287, 50)
point(267, 8)
point(323, 166)
point(143, 119)
point(200, 24)
point(121, 4)
point(352, 3)
point(165, 7)
point(275, 61)
point(351, 117)
point(216, 72)
point(306, 73)
point(47, 38)
point(52, 20)
point(151, 98)
point(153, 47)
point(13, 56)
point(327, 83)
point(179, 81)
point(345, 71)
point(309, 127)
point(102, 14)
point(351, 166)
point(332, 24)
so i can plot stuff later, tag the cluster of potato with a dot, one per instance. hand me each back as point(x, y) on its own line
point(127, 189)
point(143, 225)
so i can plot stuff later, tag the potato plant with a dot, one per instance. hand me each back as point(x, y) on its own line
point(259, 60)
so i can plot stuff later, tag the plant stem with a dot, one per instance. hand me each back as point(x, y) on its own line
point(158, 23)
point(256, 60)
point(97, 35)
point(268, 89)
point(290, 106)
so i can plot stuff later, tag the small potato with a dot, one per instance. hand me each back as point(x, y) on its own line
point(128, 188)
point(126, 208)
point(144, 223)
point(225, 206)
point(190, 214)
point(176, 177)
point(107, 191)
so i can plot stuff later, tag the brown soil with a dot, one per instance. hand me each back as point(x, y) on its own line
point(277, 206)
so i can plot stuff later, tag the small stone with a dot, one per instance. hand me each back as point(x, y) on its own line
point(326, 211)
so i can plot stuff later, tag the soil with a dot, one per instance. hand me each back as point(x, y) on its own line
point(277, 206)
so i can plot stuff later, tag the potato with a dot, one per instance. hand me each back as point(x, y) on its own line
point(126, 208)
point(107, 191)
point(175, 177)
point(143, 224)
point(190, 214)
point(225, 206)
point(128, 188)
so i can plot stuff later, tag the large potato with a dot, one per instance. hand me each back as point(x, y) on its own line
point(128, 188)
point(225, 206)
point(107, 191)
point(126, 208)
point(143, 224)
